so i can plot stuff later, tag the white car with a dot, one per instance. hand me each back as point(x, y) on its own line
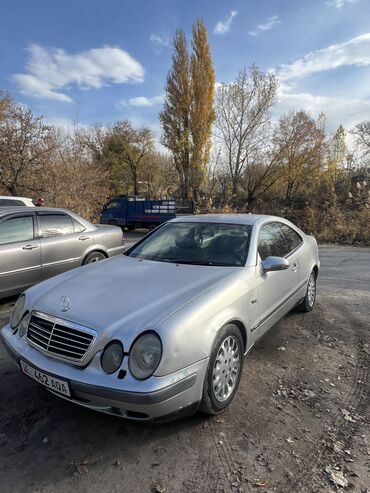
point(6, 201)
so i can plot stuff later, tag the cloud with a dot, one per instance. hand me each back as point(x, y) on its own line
point(266, 26)
point(338, 110)
point(356, 51)
point(50, 71)
point(142, 101)
point(339, 3)
point(159, 40)
point(223, 26)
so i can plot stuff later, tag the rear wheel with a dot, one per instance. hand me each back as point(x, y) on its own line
point(93, 257)
point(224, 371)
point(112, 222)
point(309, 300)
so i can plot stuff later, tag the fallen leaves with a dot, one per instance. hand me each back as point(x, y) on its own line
point(260, 483)
point(347, 416)
point(336, 477)
point(158, 487)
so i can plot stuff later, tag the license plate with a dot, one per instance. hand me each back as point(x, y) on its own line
point(52, 383)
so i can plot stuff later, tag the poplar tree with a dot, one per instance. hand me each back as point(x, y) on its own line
point(202, 114)
point(175, 115)
point(188, 112)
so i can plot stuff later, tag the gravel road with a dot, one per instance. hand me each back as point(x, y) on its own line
point(301, 415)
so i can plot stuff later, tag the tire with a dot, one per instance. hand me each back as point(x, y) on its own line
point(216, 398)
point(93, 257)
point(308, 301)
point(112, 222)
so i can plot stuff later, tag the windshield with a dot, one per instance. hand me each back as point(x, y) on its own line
point(196, 243)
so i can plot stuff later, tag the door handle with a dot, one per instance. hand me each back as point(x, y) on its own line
point(29, 247)
point(295, 267)
point(84, 237)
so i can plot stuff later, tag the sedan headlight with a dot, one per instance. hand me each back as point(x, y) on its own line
point(18, 312)
point(112, 357)
point(145, 356)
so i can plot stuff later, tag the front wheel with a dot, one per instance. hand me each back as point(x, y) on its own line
point(224, 371)
point(309, 300)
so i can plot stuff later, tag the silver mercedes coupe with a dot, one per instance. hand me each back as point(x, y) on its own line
point(161, 331)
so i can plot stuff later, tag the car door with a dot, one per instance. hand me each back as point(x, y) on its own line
point(274, 288)
point(20, 254)
point(63, 242)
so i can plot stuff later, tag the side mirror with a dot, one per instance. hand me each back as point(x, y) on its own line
point(271, 264)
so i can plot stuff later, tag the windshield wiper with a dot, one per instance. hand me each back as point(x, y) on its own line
point(188, 261)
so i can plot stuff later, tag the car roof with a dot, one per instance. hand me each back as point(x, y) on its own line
point(11, 197)
point(19, 209)
point(248, 219)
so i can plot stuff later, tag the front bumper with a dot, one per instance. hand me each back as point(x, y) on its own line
point(158, 399)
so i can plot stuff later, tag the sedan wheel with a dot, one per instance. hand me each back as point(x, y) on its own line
point(94, 257)
point(224, 370)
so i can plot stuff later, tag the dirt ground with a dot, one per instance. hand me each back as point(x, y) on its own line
point(299, 422)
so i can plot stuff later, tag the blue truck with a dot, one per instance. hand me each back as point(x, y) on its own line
point(135, 212)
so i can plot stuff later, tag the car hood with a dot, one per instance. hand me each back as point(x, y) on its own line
point(125, 294)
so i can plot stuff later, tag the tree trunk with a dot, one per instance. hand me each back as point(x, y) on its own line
point(136, 184)
point(234, 191)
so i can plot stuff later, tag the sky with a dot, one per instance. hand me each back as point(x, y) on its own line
point(93, 62)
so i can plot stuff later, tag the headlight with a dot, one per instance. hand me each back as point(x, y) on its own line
point(145, 356)
point(112, 357)
point(24, 324)
point(18, 312)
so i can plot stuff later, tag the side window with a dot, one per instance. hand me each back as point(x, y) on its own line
point(55, 225)
point(271, 242)
point(78, 226)
point(16, 229)
point(292, 238)
point(115, 204)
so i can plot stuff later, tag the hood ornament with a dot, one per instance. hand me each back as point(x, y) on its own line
point(66, 303)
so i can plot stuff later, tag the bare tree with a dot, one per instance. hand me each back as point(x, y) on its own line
point(362, 133)
point(158, 176)
point(25, 143)
point(243, 119)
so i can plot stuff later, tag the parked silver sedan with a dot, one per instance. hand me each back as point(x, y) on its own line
point(38, 243)
point(162, 330)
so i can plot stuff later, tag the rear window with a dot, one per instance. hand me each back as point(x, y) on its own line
point(55, 225)
point(9, 202)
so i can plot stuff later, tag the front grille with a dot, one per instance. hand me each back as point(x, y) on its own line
point(59, 338)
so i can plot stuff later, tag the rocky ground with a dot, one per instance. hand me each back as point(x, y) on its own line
point(299, 422)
